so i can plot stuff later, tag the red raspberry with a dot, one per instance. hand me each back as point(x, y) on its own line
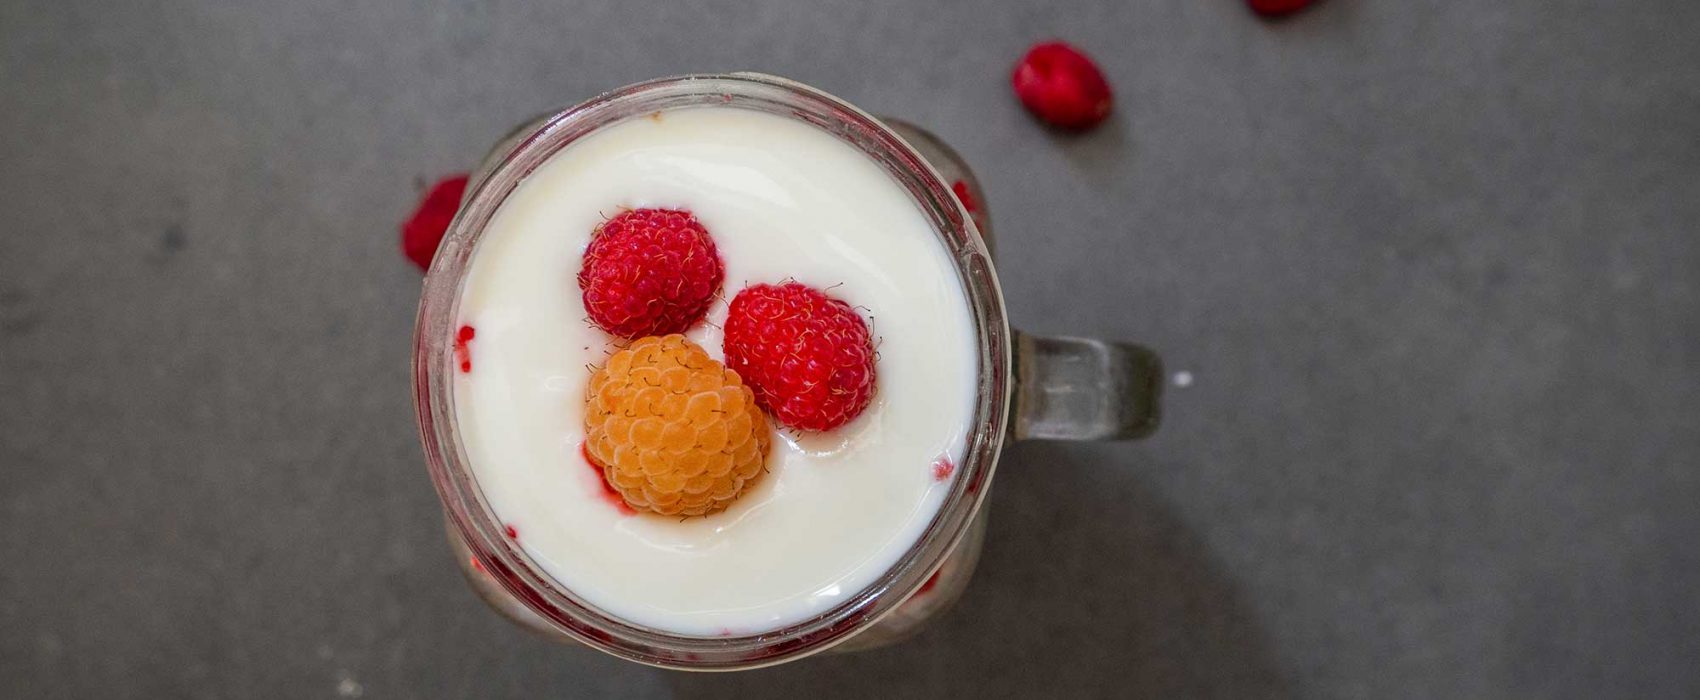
point(931, 581)
point(1062, 86)
point(960, 189)
point(1277, 8)
point(966, 195)
point(808, 357)
point(649, 272)
point(423, 232)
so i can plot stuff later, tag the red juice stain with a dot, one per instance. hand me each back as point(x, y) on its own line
point(463, 354)
point(967, 198)
point(511, 531)
point(608, 492)
point(943, 468)
point(931, 581)
point(597, 635)
point(476, 566)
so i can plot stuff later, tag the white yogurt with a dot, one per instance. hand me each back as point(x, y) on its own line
point(782, 199)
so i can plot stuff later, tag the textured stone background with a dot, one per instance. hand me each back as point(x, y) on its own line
point(1433, 268)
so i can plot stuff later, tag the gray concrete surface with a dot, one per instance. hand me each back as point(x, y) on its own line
point(1433, 269)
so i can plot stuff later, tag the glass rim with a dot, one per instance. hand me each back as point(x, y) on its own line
point(469, 514)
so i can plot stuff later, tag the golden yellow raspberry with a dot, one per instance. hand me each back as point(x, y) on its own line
point(673, 431)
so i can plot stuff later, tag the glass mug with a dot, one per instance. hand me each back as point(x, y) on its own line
point(1029, 387)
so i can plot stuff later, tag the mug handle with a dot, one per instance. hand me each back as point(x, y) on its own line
point(1083, 389)
point(1065, 388)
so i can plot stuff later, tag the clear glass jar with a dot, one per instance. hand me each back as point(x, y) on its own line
point(1029, 387)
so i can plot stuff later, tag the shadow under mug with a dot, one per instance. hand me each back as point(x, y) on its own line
point(1029, 387)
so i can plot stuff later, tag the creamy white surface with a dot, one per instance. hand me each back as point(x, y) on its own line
point(782, 200)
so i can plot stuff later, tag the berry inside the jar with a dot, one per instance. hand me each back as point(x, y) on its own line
point(673, 431)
